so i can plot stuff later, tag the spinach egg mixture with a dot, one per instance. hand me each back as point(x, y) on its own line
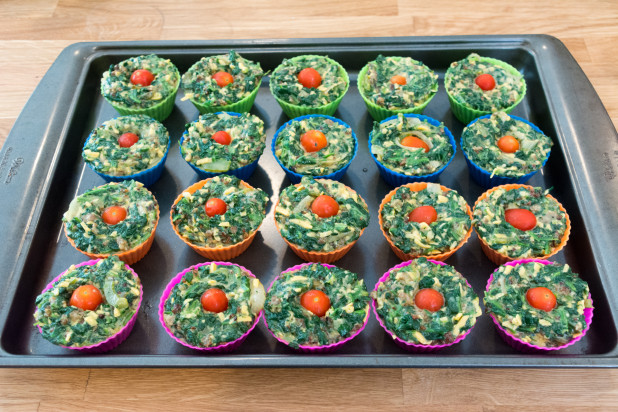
point(419, 82)
point(116, 85)
point(85, 224)
point(460, 77)
point(506, 300)
point(245, 210)
point(302, 227)
point(395, 303)
point(201, 87)
point(481, 143)
point(504, 238)
point(187, 319)
point(290, 321)
point(420, 238)
point(246, 145)
point(67, 325)
point(104, 153)
point(338, 151)
point(284, 83)
point(386, 145)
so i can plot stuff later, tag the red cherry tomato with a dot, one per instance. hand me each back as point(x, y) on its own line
point(142, 77)
point(397, 79)
point(485, 81)
point(325, 206)
point(313, 140)
point(215, 206)
point(413, 141)
point(114, 215)
point(541, 298)
point(508, 144)
point(127, 139)
point(222, 137)
point(214, 300)
point(315, 301)
point(86, 297)
point(309, 78)
point(223, 78)
point(521, 219)
point(425, 214)
point(429, 299)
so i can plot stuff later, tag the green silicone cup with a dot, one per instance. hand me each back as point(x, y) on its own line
point(466, 114)
point(294, 110)
point(241, 106)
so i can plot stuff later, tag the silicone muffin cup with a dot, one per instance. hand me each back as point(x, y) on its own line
point(215, 253)
point(224, 347)
point(484, 178)
point(466, 114)
point(308, 348)
point(523, 346)
point(417, 186)
point(117, 338)
point(241, 106)
point(500, 258)
point(296, 177)
point(294, 110)
point(411, 346)
point(397, 179)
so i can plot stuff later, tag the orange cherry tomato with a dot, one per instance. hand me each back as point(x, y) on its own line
point(313, 141)
point(315, 301)
point(86, 297)
point(521, 219)
point(425, 214)
point(223, 78)
point(508, 144)
point(142, 77)
point(215, 206)
point(309, 78)
point(214, 300)
point(485, 81)
point(541, 298)
point(114, 214)
point(429, 299)
point(325, 206)
point(222, 137)
point(397, 79)
point(413, 141)
point(127, 139)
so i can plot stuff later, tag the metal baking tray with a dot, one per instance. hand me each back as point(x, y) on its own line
point(41, 170)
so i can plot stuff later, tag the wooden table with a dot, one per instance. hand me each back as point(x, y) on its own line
point(34, 32)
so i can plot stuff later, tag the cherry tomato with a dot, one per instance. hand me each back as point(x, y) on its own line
point(397, 79)
point(508, 144)
point(485, 81)
point(521, 219)
point(127, 139)
point(429, 299)
point(86, 297)
point(114, 214)
point(222, 137)
point(223, 78)
point(541, 298)
point(315, 301)
point(413, 141)
point(325, 206)
point(309, 78)
point(425, 214)
point(142, 77)
point(313, 140)
point(214, 300)
point(215, 206)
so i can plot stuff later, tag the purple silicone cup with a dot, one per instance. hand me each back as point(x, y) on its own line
point(306, 348)
point(414, 347)
point(224, 347)
point(119, 337)
point(521, 345)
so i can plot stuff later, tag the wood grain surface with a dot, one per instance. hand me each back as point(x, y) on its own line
point(32, 34)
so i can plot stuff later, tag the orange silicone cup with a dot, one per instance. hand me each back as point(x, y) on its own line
point(415, 187)
point(499, 258)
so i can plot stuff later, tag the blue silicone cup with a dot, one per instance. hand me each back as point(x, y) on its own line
point(296, 177)
point(397, 179)
point(483, 177)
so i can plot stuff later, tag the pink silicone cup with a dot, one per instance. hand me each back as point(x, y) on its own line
point(224, 347)
point(307, 348)
point(414, 347)
point(521, 345)
point(117, 338)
